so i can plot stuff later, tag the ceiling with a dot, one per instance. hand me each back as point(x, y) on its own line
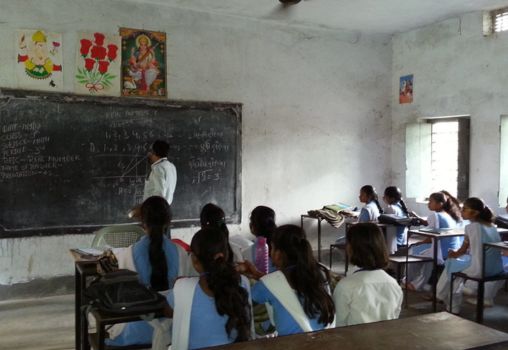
point(370, 16)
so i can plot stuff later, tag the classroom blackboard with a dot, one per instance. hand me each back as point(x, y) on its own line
point(73, 163)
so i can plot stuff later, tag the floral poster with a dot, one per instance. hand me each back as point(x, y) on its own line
point(98, 65)
point(143, 63)
point(406, 89)
point(39, 60)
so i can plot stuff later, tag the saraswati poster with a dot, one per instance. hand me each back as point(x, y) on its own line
point(39, 60)
point(98, 64)
point(143, 63)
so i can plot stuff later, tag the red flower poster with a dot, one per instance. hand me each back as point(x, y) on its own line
point(143, 63)
point(39, 60)
point(98, 64)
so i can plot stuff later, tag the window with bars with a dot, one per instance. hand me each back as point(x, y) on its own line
point(437, 157)
point(495, 21)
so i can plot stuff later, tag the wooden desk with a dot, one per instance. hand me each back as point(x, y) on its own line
point(437, 331)
point(435, 238)
point(83, 270)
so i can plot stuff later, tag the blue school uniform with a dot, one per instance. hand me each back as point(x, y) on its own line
point(453, 243)
point(401, 230)
point(369, 212)
point(140, 332)
point(284, 322)
point(207, 327)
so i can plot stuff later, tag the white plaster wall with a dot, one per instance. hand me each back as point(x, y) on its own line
point(316, 122)
point(456, 71)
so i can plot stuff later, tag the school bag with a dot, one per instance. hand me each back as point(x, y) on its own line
point(120, 292)
point(392, 219)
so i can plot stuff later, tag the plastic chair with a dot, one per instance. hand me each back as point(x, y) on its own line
point(117, 236)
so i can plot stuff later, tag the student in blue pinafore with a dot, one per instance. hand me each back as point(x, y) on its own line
point(156, 259)
point(299, 291)
point(214, 308)
point(469, 257)
point(396, 236)
point(445, 214)
point(371, 210)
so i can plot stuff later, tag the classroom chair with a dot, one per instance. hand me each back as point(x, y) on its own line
point(117, 236)
point(480, 291)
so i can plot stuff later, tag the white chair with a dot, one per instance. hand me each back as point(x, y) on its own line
point(117, 236)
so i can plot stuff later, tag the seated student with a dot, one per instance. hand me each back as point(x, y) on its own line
point(369, 294)
point(396, 236)
point(156, 259)
point(213, 216)
point(298, 291)
point(212, 309)
point(262, 224)
point(445, 214)
point(480, 230)
point(371, 210)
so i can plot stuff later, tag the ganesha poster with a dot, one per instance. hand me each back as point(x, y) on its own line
point(39, 60)
point(98, 64)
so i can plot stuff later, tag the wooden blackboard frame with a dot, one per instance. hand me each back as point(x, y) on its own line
point(235, 108)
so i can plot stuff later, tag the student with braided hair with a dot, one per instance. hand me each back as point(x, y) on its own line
point(214, 308)
point(396, 236)
point(299, 291)
point(213, 216)
point(445, 214)
point(158, 262)
point(468, 258)
point(372, 209)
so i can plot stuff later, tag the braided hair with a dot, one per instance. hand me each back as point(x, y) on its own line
point(156, 217)
point(262, 220)
point(210, 247)
point(485, 214)
point(395, 193)
point(371, 194)
point(303, 272)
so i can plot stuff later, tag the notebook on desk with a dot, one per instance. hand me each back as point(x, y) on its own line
point(434, 230)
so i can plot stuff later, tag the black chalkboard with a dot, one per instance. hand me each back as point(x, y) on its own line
point(72, 163)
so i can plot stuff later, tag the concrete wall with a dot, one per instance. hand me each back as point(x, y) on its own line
point(457, 71)
point(316, 122)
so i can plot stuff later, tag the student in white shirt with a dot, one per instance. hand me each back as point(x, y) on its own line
point(369, 294)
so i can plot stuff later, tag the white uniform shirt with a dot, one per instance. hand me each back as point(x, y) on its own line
point(367, 296)
point(162, 180)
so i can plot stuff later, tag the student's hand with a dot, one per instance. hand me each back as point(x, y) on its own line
point(249, 269)
point(453, 254)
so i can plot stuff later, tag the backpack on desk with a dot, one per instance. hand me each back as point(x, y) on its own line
point(121, 292)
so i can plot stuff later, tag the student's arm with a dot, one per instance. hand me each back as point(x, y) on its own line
point(249, 270)
point(342, 300)
point(170, 304)
point(422, 220)
point(461, 251)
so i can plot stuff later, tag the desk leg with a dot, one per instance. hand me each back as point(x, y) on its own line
point(319, 240)
point(77, 309)
point(101, 333)
point(434, 283)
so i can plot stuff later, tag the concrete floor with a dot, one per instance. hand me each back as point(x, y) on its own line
point(48, 323)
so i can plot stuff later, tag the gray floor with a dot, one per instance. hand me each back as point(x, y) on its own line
point(48, 323)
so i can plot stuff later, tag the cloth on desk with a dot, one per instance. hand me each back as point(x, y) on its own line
point(333, 217)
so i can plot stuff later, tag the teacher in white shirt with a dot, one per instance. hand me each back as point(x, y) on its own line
point(162, 179)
